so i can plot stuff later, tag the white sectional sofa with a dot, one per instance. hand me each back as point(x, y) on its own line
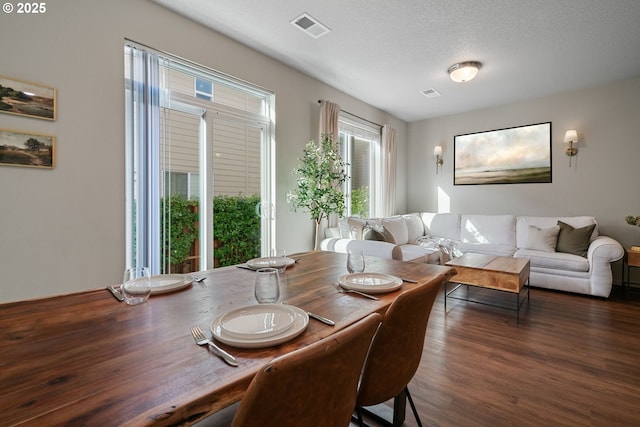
point(566, 253)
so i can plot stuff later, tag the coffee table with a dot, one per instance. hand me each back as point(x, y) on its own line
point(500, 273)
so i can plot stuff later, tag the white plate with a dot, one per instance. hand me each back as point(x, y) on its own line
point(169, 283)
point(258, 263)
point(371, 283)
point(257, 321)
point(300, 322)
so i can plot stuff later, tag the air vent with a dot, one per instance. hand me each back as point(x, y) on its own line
point(430, 93)
point(310, 25)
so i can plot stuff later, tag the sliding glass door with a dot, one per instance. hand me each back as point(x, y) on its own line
point(199, 167)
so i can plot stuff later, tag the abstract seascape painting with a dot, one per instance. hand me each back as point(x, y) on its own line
point(516, 155)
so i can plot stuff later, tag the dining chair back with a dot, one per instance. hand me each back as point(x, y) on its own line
point(396, 350)
point(314, 386)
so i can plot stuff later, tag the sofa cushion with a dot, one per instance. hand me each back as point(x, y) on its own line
point(415, 228)
point(494, 229)
point(542, 239)
point(445, 225)
point(554, 260)
point(487, 249)
point(411, 252)
point(574, 240)
point(395, 230)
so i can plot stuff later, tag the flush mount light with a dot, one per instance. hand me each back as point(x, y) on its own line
point(464, 71)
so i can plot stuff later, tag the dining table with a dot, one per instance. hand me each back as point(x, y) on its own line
point(87, 359)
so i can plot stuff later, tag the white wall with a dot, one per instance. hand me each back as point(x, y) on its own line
point(602, 181)
point(62, 230)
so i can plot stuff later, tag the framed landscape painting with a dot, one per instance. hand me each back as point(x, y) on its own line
point(514, 155)
point(27, 99)
point(27, 149)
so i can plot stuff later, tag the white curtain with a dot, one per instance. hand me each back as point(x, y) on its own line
point(143, 147)
point(388, 148)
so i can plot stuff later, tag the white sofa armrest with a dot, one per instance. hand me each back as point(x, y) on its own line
point(368, 247)
point(603, 250)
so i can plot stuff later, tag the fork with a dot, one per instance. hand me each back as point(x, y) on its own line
point(200, 339)
point(344, 291)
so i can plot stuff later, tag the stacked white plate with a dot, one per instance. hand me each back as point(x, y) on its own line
point(261, 325)
point(165, 283)
point(371, 283)
point(258, 263)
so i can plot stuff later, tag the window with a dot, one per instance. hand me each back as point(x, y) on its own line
point(359, 143)
point(185, 146)
point(183, 184)
point(204, 89)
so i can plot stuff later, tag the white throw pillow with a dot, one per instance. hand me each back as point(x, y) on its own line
point(542, 239)
point(395, 230)
point(415, 228)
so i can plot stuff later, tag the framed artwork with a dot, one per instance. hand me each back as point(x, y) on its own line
point(35, 150)
point(516, 155)
point(27, 99)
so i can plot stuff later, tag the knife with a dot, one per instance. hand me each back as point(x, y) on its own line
point(321, 319)
point(222, 354)
point(116, 293)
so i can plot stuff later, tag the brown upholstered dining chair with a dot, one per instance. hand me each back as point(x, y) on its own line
point(396, 352)
point(314, 386)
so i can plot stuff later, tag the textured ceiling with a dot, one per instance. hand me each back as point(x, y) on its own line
point(385, 52)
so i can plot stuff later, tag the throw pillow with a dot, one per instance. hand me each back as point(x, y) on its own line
point(415, 228)
point(542, 239)
point(395, 230)
point(574, 240)
point(345, 230)
point(369, 233)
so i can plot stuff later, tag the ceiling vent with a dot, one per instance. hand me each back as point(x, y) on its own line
point(310, 25)
point(430, 93)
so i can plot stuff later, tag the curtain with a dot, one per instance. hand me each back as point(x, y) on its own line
point(143, 153)
point(329, 115)
point(388, 148)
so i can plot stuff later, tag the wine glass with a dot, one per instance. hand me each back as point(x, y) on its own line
point(278, 260)
point(355, 262)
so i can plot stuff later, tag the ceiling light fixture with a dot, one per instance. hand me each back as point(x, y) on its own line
point(464, 71)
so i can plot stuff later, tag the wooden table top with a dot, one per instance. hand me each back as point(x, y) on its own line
point(87, 359)
point(490, 262)
point(491, 271)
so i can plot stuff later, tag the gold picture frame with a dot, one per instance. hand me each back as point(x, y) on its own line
point(28, 149)
point(27, 99)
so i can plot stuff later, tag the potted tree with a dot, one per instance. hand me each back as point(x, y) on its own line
point(320, 179)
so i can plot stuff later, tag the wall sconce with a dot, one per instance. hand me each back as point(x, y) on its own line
point(437, 151)
point(571, 138)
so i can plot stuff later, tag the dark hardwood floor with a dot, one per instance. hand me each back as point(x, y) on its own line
point(571, 361)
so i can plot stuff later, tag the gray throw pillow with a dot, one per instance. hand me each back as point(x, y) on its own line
point(574, 240)
point(369, 233)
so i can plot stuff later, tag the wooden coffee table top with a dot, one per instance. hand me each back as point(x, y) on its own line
point(490, 271)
